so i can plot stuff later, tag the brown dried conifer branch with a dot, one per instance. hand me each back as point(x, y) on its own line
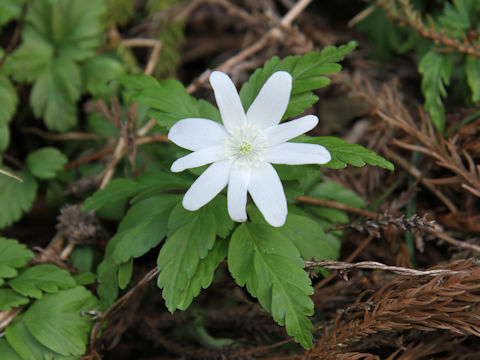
point(446, 302)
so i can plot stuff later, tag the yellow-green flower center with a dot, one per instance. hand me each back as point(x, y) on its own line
point(246, 146)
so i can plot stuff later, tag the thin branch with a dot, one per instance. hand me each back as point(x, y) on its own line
point(373, 265)
point(336, 205)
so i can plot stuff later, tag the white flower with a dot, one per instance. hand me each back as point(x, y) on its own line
point(242, 151)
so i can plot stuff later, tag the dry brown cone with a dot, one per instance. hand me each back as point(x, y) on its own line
point(448, 303)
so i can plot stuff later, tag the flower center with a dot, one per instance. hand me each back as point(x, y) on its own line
point(246, 146)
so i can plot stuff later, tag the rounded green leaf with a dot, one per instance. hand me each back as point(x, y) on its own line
point(55, 320)
point(46, 162)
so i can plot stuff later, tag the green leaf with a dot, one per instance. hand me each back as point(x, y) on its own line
point(203, 276)
point(47, 278)
point(55, 320)
point(308, 73)
point(10, 10)
point(144, 227)
point(5, 349)
point(330, 190)
point(72, 28)
point(8, 99)
point(46, 162)
point(25, 344)
point(116, 190)
point(168, 99)
point(309, 238)
point(98, 71)
point(9, 299)
point(17, 197)
point(107, 282)
point(12, 256)
point(473, 76)
point(124, 273)
point(265, 260)
point(192, 237)
point(4, 137)
point(436, 69)
point(224, 223)
point(85, 278)
point(55, 93)
point(344, 153)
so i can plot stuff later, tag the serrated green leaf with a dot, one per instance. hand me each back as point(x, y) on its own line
point(265, 260)
point(203, 275)
point(17, 197)
point(153, 183)
point(224, 223)
point(309, 238)
point(344, 153)
point(85, 278)
point(307, 72)
point(192, 237)
point(5, 349)
point(144, 227)
point(107, 282)
point(124, 273)
point(9, 299)
point(472, 71)
point(119, 11)
point(46, 162)
point(12, 256)
point(98, 71)
point(25, 344)
point(116, 190)
point(436, 69)
point(55, 93)
point(73, 28)
point(47, 278)
point(168, 99)
point(8, 99)
point(55, 320)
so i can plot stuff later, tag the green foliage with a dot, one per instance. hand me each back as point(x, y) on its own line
point(17, 197)
point(27, 346)
point(12, 256)
point(168, 100)
point(47, 278)
point(144, 226)
point(98, 71)
point(437, 58)
point(436, 69)
point(44, 163)
point(56, 36)
point(269, 264)
point(56, 321)
point(191, 237)
point(308, 73)
point(171, 35)
point(9, 299)
point(119, 11)
point(344, 153)
point(10, 10)
point(8, 99)
point(7, 351)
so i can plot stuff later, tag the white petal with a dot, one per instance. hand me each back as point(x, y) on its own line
point(272, 101)
point(298, 154)
point(237, 193)
point(267, 193)
point(228, 101)
point(198, 158)
point(207, 186)
point(195, 134)
point(280, 133)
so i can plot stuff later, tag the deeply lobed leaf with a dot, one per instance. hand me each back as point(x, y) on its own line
point(266, 261)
